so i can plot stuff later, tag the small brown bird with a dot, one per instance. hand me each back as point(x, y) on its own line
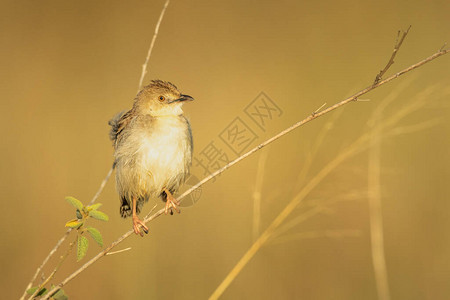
point(153, 149)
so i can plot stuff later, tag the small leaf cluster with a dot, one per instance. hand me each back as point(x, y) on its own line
point(83, 213)
point(59, 295)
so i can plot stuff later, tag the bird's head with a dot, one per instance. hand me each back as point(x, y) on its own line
point(160, 98)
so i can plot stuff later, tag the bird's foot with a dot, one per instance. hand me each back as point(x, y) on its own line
point(171, 204)
point(138, 225)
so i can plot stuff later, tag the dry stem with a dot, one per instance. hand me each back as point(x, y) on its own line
point(102, 185)
point(61, 260)
point(152, 44)
point(311, 184)
point(273, 229)
point(398, 44)
point(63, 238)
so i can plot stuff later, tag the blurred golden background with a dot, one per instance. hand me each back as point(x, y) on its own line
point(69, 66)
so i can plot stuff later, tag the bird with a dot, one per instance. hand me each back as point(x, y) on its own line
point(152, 150)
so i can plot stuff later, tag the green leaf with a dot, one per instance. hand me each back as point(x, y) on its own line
point(82, 246)
point(60, 295)
point(42, 292)
point(75, 223)
point(75, 202)
point(94, 206)
point(96, 214)
point(31, 291)
point(96, 235)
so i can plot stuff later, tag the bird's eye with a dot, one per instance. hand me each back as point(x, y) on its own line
point(161, 98)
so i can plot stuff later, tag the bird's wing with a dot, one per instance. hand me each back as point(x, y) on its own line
point(189, 133)
point(118, 123)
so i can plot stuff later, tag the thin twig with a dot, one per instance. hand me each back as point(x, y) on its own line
point(63, 238)
point(317, 110)
point(50, 254)
point(102, 185)
point(118, 251)
point(310, 118)
point(398, 44)
point(61, 260)
point(374, 184)
point(356, 147)
point(268, 233)
point(306, 189)
point(150, 49)
point(91, 261)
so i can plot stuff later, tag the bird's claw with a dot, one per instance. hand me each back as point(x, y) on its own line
point(171, 204)
point(138, 225)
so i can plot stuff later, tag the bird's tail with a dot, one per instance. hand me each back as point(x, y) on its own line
point(125, 208)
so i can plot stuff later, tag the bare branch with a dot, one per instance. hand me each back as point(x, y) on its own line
point(310, 118)
point(118, 251)
point(356, 147)
point(398, 44)
point(63, 238)
point(61, 260)
point(102, 185)
point(150, 49)
point(317, 110)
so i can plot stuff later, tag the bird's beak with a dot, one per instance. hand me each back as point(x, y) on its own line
point(182, 98)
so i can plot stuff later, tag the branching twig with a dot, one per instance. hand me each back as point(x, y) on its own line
point(310, 118)
point(155, 35)
point(356, 147)
point(398, 44)
point(61, 260)
point(268, 233)
point(63, 238)
point(289, 208)
point(102, 185)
